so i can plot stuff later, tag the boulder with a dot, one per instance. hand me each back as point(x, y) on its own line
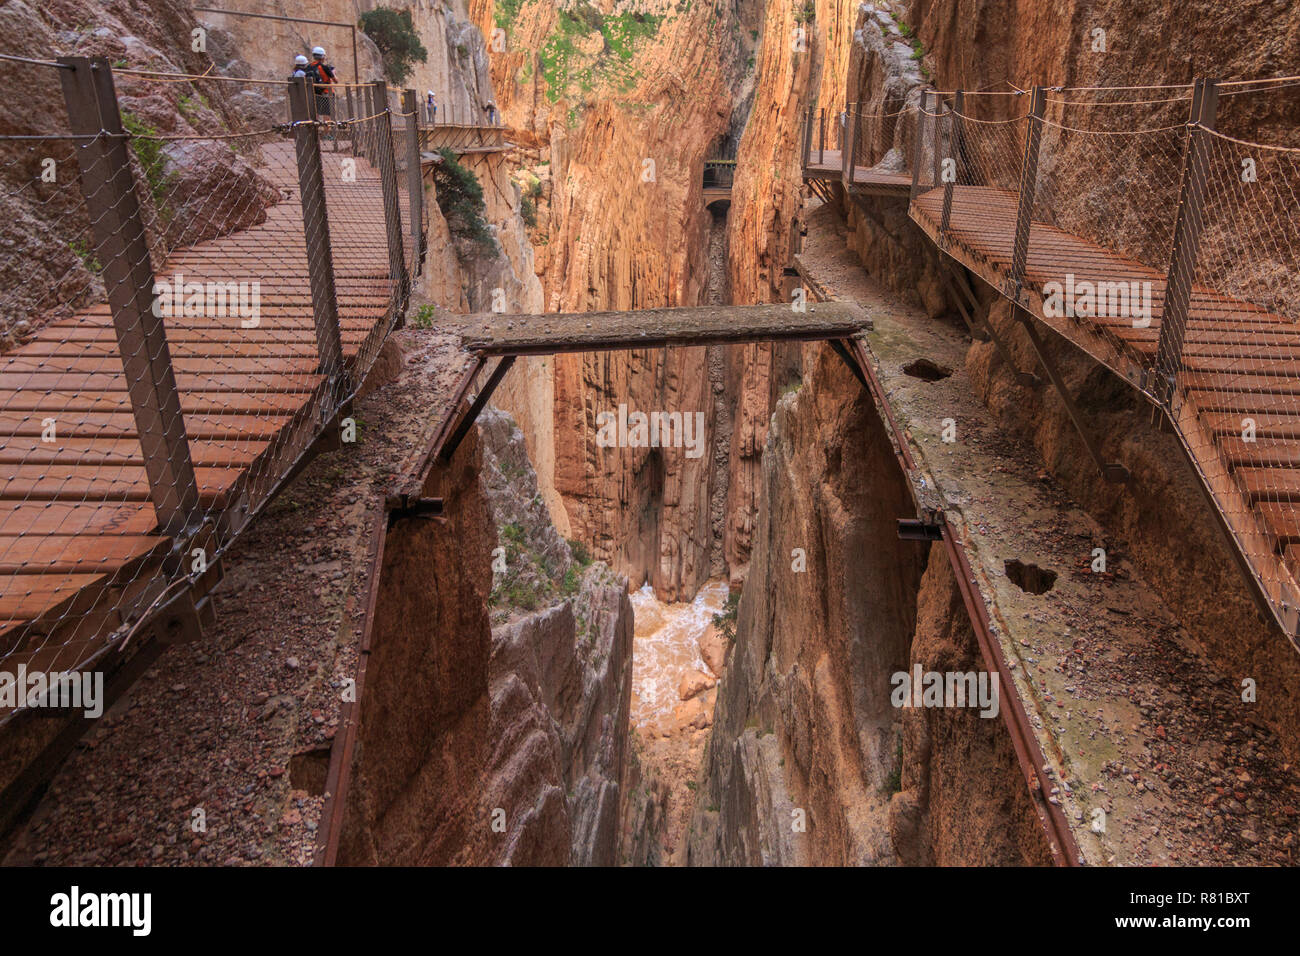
point(713, 650)
point(694, 683)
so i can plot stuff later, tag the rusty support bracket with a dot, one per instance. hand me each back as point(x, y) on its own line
point(960, 289)
point(1113, 471)
point(842, 350)
point(401, 506)
point(467, 421)
point(920, 529)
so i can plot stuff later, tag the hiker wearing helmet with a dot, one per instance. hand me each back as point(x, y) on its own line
point(300, 66)
point(323, 78)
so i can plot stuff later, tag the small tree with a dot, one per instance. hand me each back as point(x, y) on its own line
point(460, 197)
point(394, 33)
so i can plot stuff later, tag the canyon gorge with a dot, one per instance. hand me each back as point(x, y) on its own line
point(610, 654)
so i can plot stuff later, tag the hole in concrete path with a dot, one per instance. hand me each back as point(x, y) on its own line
point(307, 770)
point(1030, 577)
point(926, 370)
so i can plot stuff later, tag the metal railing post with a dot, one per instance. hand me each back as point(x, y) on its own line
point(414, 180)
point(846, 144)
point(122, 246)
point(807, 136)
point(1189, 220)
point(936, 164)
point(918, 144)
point(821, 136)
point(1028, 182)
point(954, 134)
point(388, 179)
point(316, 232)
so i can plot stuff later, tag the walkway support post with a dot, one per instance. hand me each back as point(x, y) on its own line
point(388, 179)
point(1028, 181)
point(316, 233)
point(121, 245)
point(936, 164)
point(918, 144)
point(850, 115)
point(1190, 218)
point(807, 136)
point(414, 180)
point(954, 137)
point(821, 136)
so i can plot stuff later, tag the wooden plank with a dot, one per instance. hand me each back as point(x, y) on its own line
point(27, 596)
point(89, 424)
point(65, 554)
point(17, 450)
point(1270, 484)
point(550, 333)
point(55, 517)
point(110, 483)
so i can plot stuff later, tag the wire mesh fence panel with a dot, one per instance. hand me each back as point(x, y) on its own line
point(226, 283)
point(1108, 170)
point(1239, 361)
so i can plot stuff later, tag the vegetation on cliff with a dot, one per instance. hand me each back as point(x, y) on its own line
point(399, 44)
point(460, 198)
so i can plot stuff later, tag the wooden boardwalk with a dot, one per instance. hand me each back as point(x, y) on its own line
point(828, 165)
point(1239, 362)
point(79, 546)
point(462, 138)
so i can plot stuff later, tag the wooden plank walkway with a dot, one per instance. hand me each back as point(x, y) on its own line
point(1240, 362)
point(551, 333)
point(829, 165)
point(463, 138)
point(78, 537)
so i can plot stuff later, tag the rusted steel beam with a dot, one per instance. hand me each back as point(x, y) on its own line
point(1113, 471)
point(471, 415)
point(339, 773)
point(1061, 842)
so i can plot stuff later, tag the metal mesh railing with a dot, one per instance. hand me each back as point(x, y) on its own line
point(1167, 249)
point(202, 292)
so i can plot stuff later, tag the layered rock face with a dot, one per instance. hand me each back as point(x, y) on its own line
point(798, 765)
point(528, 702)
point(617, 110)
point(49, 265)
point(962, 800)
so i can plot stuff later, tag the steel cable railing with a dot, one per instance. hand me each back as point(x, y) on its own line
point(1167, 249)
point(207, 287)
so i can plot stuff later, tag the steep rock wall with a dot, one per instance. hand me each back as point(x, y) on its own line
point(491, 737)
point(617, 109)
point(803, 719)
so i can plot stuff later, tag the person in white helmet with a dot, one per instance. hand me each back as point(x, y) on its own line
point(432, 108)
point(300, 65)
point(322, 75)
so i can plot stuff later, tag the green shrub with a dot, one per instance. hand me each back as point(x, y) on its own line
point(148, 150)
point(399, 44)
point(725, 621)
point(460, 197)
